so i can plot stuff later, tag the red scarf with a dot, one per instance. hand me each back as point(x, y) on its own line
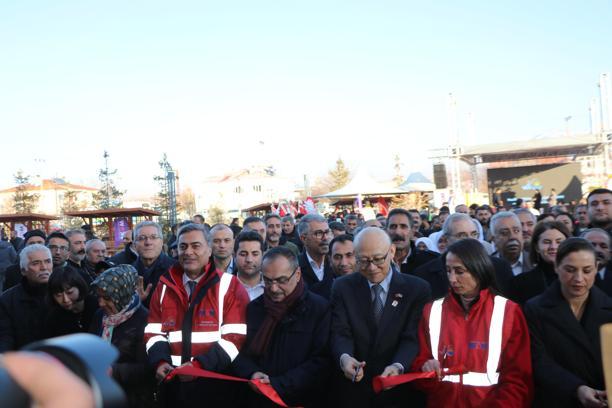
point(275, 312)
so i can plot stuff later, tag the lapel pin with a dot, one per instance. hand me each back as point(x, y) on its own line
point(394, 303)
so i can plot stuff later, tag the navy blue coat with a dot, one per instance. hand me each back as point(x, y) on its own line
point(297, 360)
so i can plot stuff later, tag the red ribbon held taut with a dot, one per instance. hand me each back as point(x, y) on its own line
point(265, 389)
point(381, 383)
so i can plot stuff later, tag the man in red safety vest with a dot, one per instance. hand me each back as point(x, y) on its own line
point(197, 317)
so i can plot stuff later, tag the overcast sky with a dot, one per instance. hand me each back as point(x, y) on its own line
point(206, 81)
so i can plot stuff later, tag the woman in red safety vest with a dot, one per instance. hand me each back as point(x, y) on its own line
point(480, 341)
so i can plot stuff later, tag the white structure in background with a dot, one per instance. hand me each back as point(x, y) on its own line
point(595, 116)
point(51, 195)
point(605, 96)
point(237, 190)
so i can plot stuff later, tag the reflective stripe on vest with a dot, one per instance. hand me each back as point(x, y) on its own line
point(153, 340)
point(196, 337)
point(176, 360)
point(489, 378)
point(155, 328)
point(161, 298)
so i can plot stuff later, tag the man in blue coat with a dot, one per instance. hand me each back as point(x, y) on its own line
point(287, 335)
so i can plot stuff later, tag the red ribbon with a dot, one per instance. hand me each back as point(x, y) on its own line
point(381, 383)
point(265, 389)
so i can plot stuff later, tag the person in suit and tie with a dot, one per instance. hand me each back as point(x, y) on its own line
point(314, 263)
point(507, 235)
point(601, 242)
point(564, 324)
point(375, 315)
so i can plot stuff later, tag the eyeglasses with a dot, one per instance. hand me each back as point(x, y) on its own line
point(321, 233)
point(283, 280)
point(378, 261)
point(143, 238)
point(57, 248)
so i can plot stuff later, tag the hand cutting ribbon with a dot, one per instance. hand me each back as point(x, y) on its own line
point(381, 383)
point(265, 389)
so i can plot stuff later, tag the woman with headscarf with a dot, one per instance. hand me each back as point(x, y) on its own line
point(425, 243)
point(121, 321)
point(564, 324)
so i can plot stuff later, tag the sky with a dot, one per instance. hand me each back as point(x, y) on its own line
point(207, 82)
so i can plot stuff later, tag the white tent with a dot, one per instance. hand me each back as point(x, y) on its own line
point(417, 182)
point(363, 184)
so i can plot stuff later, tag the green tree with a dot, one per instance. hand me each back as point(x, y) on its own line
point(187, 202)
point(24, 201)
point(109, 196)
point(216, 215)
point(165, 201)
point(338, 176)
point(71, 203)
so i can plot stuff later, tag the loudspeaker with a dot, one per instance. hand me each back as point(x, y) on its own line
point(439, 173)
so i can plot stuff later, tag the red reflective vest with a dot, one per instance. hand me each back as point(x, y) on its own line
point(218, 319)
point(490, 344)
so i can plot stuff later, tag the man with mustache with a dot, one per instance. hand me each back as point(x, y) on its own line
point(601, 242)
point(77, 240)
point(399, 228)
point(23, 308)
point(314, 263)
point(274, 232)
point(507, 235)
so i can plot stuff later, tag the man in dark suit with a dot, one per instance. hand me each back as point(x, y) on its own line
point(316, 269)
point(507, 235)
point(601, 242)
point(400, 230)
point(375, 314)
point(456, 227)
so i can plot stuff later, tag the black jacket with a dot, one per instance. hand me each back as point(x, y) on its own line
point(126, 256)
point(530, 284)
point(152, 274)
point(131, 369)
point(434, 272)
point(61, 322)
point(320, 287)
point(355, 332)
point(605, 284)
point(12, 276)
point(416, 259)
point(566, 353)
point(297, 360)
point(295, 238)
point(22, 315)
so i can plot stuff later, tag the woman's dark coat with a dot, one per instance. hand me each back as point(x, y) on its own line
point(130, 370)
point(566, 352)
point(61, 322)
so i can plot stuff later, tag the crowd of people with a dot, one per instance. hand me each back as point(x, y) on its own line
point(497, 307)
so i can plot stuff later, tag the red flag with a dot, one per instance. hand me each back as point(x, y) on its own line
point(383, 207)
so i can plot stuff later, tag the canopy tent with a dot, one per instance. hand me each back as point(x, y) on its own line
point(131, 216)
point(417, 182)
point(30, 220)
point(364, 185)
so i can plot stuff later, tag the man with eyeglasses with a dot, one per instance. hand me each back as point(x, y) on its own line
point(375, 314)
point(508, 238)
point(287, 336)
point(59, 245)
point(316, 269)
point(151, 263)
point(460, 226)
